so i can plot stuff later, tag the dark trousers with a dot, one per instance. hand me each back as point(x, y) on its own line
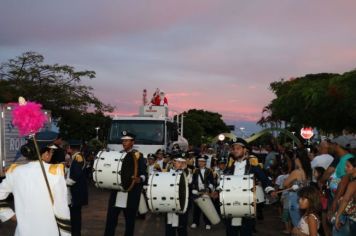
point(76, 219)
point(113, 215)
point(196, 216)
point(244, 230)
point(181, 229)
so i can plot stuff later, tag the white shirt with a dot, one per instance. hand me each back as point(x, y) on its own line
point(34, 211)
point(240, 167)
point(323, 160)
point(208, 161)
point(151, 168)
point(160, 163)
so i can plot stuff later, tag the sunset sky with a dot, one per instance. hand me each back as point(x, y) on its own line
point(216, 55)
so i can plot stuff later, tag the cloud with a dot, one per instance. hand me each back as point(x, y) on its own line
point(208, 54)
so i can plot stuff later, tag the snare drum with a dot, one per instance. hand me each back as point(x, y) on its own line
point(168, 192)
point(237, 196)
point(114, 170)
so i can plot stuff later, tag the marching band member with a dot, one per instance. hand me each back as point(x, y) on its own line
point(35, 213)
point(241, 166)
point(78, 188)
point(203, 182)
point(152, 165)
point(160, 159)
point(126, 201)
point(178, 222)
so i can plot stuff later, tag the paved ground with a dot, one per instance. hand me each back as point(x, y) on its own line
point(94, 220)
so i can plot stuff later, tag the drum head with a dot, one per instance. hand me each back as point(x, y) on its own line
point(127, 171)
point(182, 192)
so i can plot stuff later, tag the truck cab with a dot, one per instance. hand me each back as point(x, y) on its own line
point(153, 129)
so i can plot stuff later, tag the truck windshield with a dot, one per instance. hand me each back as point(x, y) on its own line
point(146, 131)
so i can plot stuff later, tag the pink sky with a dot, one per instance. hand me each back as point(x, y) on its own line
point(218, 55)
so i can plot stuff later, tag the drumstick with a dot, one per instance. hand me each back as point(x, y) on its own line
point(280, 191)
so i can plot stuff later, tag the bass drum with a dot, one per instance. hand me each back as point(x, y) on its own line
point(114, 170)
point(237, 196)
point(168, 192)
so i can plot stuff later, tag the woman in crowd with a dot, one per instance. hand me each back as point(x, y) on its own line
point(298, 178)
point(347, 204)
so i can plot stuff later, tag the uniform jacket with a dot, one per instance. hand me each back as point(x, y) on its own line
point(34, 211)
point(208, 179)
point(79, 189)
point(134, 195)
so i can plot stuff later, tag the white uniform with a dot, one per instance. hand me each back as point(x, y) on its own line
point(34, 211)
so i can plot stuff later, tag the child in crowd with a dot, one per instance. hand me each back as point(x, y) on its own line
point(318, 172)
point(309, 204)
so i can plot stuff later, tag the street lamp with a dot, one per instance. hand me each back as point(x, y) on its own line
point(293, 140)
point(97, 132)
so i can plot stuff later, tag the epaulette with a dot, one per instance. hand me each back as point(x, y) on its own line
point(137, 154)
point(157, 166)
point(253, 161)
point(78, 157)
point(56, 169)
point(11, 168)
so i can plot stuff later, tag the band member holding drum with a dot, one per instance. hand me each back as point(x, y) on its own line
point(160, 159)
point(241, 166)
point(178, 222)
point(202, 183)
point(127, 199)
point(151, 164)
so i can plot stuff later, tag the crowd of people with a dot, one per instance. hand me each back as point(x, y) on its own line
point(313, 187)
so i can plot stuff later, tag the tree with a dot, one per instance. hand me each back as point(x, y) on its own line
point(324, 101)
point(201, 126)
point(57, 87)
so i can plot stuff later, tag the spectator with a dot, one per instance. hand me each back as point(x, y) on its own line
point(309, 203)
point(323, 159)
point(347, 204)
point(299, 177)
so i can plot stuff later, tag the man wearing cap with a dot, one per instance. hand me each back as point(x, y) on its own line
point(178, 222)
point(36, 213)
point(241, 166)
point(203, 182)
point(127, 202)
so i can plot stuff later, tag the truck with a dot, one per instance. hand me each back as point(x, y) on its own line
point(10, 140)
point(154, 130)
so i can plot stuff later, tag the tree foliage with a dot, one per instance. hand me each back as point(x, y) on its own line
point(57, 87)
point(201, 126)
point(324, 101)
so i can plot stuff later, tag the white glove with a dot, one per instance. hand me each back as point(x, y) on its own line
point(195, 192)
point(295, 187)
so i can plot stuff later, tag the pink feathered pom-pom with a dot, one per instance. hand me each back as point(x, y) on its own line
point(28, 118)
